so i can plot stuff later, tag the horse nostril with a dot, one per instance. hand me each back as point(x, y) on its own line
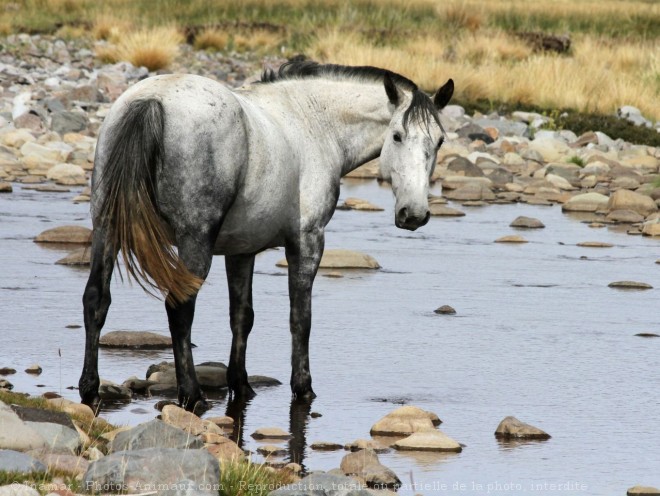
point(426, 218)
point(403, 215)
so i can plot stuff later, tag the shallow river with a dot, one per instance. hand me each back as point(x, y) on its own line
point(538, 335)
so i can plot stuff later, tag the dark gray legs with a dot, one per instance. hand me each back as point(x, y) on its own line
point(303, 256)
point(241, 317)
point(197, 255)
point(96, 302)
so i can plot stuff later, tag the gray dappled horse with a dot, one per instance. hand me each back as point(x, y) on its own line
point(184, 161)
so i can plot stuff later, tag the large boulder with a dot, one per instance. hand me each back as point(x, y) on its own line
point(225, 450)
point(586, 202)
point(67, 174)
point(404, 421)
point(551, 149)
point(14, 461)
point(512, 428)
point(16, 434)
point(145, 470)
point(343, 259)
point(68, 122)
point(59, 438)
point(624, 199)
point(154, 434)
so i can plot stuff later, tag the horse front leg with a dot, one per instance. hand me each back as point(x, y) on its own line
point(96, 302)
point(240, 269)
point(303, 257)
point(197, 255)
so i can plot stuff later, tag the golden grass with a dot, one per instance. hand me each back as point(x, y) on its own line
point(599, 77)
point(258, 40)
point(71, 32)
point(109, 27)
point(212, 39)
point(154, 48)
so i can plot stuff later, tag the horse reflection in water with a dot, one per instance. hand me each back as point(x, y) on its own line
point(183, 161)
point(299, 415)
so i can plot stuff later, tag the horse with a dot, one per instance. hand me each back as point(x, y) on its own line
point(187, 168)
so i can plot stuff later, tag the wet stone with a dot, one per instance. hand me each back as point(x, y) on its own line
point(445, 310)
point(512, 428)
point(630, 285)
point(527, 222)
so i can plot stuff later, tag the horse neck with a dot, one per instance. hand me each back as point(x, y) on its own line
point(347, 118)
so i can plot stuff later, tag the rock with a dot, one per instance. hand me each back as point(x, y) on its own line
point(651, 228)
point(80, 257)
point(58, 437)
point(142, 340)
point(461, 166)
point(207, 376)
point(222, 422)
point(445, 310)
point(624, 182)
point(187, 421)
point(457, 182)
point(66, 234)
point(323, 485)
point(136, 384)
point(511, 239)
point(226, 449)
point(647, 335)
point(115, 392)
point(404, 421)
point(527, 222)
point(444, 211)
point(270, 433)
point(586, 202)
point(473, 132)
point(92, 454)
point(629, 285)
point(6, 385)
point(73, 409)
point(365, 464)
point(358, 204)
point(343, 259)
point(36, 155)
point(34, 369)
point(272, 450)
point(624, 217)
point(360, 444)
point(470, 191)
point(551, 149)
point(63, 462)
point(7, 371)
point(428, 441)
point(154, 434)
point(143, 470)
point(63, 122)
point(370, 170)
point(512, 428)
point(18, 490)
point(595, 244)
point(16, 434)
point(643, 491)
point(559, 182)
point(629, 200)
point(14, 461)
point(67, 174)
point(5, 187)
point(325, 446)
point(263, 381)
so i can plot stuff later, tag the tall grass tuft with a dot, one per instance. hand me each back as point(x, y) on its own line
point(212, 39)
point(154, 48)
point(244, 478)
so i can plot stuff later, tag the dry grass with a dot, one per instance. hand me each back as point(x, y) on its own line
point(599, 77)
point(110, 27)
point(154, 48)
point(212, 39)
point(258, 40)
point(71, 32)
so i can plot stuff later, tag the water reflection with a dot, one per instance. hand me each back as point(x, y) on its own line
point(299, 415)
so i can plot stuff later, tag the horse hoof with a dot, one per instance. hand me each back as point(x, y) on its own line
point(244, 391)
point(94, 402)
point(306, 395)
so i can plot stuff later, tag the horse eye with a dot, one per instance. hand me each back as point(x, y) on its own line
point(397, 137)
point(442, 140)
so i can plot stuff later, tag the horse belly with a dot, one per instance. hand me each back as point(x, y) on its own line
point(242, 234)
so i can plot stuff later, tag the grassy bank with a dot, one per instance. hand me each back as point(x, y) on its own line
point(613, 59)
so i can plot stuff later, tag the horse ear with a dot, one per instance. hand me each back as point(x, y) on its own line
point(394, 94)
point(443, 95)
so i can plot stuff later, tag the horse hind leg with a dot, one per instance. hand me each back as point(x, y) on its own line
point(240, 269)
point(96, 302)
point(197, 254)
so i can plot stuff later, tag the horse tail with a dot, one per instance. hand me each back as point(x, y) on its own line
point(129, 210)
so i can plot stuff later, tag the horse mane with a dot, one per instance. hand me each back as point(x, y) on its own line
point(421, 107)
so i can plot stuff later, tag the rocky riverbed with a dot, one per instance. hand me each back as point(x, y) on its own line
point(55, 96)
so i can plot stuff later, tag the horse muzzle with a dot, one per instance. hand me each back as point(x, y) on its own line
point(406, 220)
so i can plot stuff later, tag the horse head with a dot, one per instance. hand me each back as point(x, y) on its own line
point(412, 141)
